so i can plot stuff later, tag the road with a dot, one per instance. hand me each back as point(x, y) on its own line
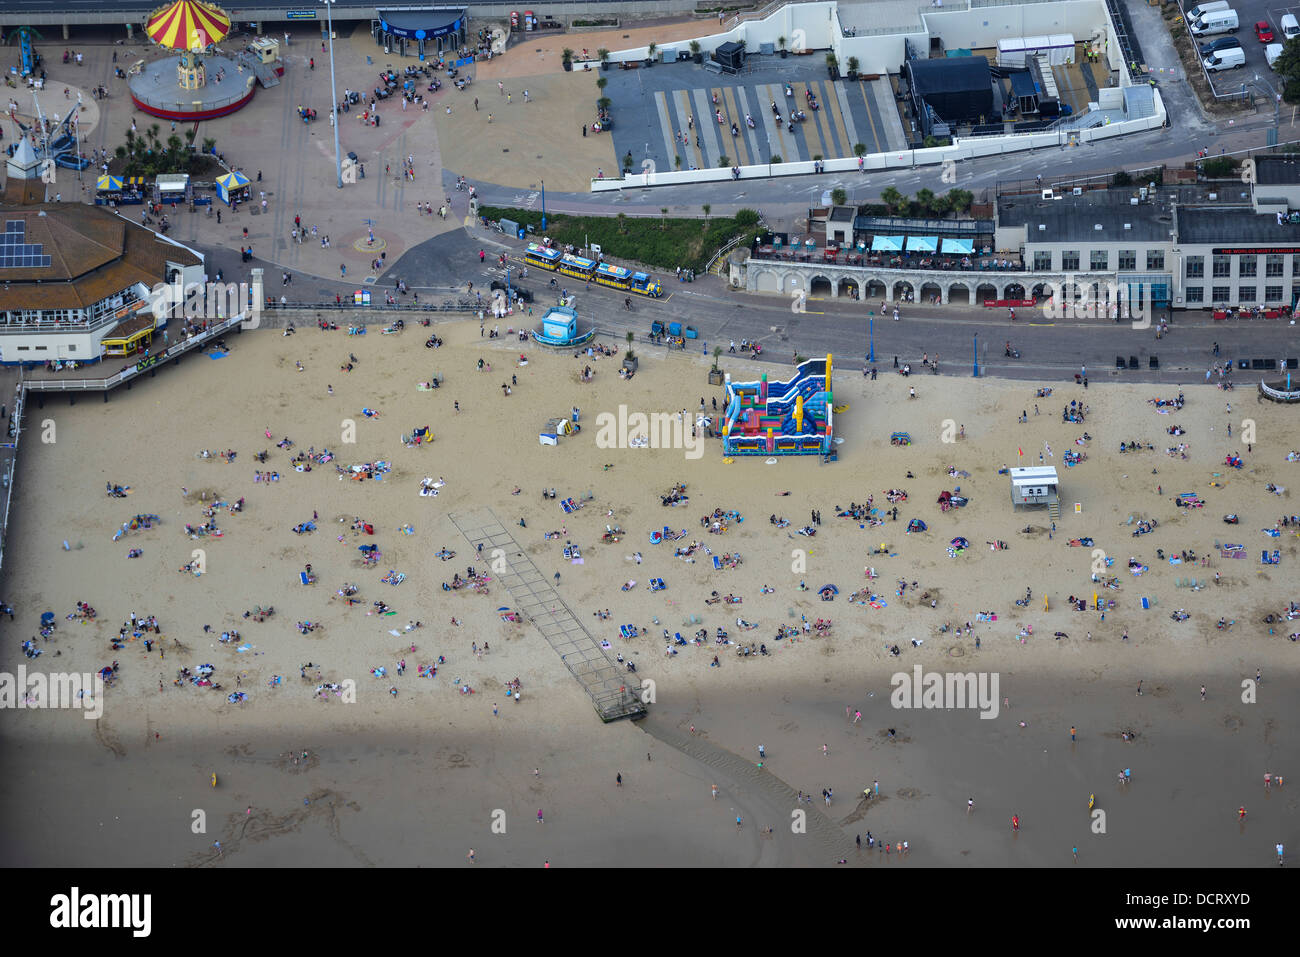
point(1051, 351)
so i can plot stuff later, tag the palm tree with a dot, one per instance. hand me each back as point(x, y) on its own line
point(209, 144)
point(601, 83)
point(838, 196)
point(724, 161)
point(604, 56)
point(925, 199)
point(663, 214)
point(695, 48)
point(717, 352)
point(707, 208)
point(650, 50)
point(622, 222)
point(781, 41)
point(860, 149)
point(853, 66)
point(892, 198)
point(604, 103)
point(631, 337)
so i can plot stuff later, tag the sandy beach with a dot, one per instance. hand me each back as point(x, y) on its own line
point(418, 778)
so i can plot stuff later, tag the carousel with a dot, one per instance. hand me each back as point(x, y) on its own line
point(201, 82)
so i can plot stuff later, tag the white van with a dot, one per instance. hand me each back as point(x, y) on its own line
point(1228, 59)
point(1290, 27)
point(1272, 52)
point(1201, 9)
point(1216, 21)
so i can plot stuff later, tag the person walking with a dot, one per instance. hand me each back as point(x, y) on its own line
point(1072, 732)
point(619, 778)
point(470, 855)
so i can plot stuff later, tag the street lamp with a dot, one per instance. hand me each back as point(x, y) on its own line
point(977, 355)
point(543, 206)
point(871, 339)
point(334, 100)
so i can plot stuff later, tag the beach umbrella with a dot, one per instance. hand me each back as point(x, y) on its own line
point(47, 617)
point(830, 588)
point(108, 183)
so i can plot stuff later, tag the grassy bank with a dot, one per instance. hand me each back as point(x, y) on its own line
point(658, 242)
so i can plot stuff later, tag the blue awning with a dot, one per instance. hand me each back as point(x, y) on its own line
point(962, 247)
point(922, 244)
point(887, 244)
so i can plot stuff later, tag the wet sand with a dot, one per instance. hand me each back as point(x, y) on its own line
point(415, 779)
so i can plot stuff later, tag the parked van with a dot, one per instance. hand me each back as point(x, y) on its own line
point(1216, 21)
point(1290, 27)
point(1228, 59)
point(1272, 52)
point(1201, 9)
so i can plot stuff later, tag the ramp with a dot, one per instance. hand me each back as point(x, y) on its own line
point(533, 595)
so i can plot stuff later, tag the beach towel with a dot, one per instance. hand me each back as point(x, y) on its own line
point(569, 505)
point(717, 562)
point(627, 631)
point(302, 576)
point(1146, 602)
point(657, 584)
point(656, 538)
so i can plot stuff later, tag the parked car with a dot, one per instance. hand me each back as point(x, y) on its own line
point(1272, 52)
point(1223, 43)
point(1263, 31)
point(1290, 27)
point(1229, 59)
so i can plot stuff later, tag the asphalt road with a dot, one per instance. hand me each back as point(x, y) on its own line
point(1050, 351)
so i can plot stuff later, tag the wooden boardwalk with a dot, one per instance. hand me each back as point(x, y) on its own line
point(613, 690)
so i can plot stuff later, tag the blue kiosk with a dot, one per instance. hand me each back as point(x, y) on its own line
point(560, 328)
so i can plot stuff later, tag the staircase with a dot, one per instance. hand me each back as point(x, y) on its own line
point(612, 689)
point(1054, 510)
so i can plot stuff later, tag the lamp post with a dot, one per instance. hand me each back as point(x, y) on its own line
point(871, 339)
point(543, 206)
point(977, 355)
point(334, 100)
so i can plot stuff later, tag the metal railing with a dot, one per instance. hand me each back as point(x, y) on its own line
point(11, 468)
point(126, 375)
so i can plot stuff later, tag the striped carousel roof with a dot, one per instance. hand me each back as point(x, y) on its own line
point(187, 25)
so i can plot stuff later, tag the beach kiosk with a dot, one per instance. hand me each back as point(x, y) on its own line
point(233, 186)
point(1036, 486)
point(560, 327)
point(172, 188)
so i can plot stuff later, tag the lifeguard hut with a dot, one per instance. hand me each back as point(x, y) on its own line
point(1036, 487)
point(560, 327)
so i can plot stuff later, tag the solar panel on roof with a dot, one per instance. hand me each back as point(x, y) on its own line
point(16, 252)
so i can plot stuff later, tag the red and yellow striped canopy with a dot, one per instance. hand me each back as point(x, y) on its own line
point(187, 25)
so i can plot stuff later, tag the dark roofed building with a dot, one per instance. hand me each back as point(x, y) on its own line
point(952, 90)
point(71, 273)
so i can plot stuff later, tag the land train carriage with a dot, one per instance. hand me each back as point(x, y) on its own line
point(578, 267)
point(542, 257)
point(616, 277)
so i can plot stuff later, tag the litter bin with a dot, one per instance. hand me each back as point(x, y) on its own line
point(575, 413)
point(514, 19)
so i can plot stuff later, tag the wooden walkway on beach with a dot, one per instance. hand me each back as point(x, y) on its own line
point(613, 690)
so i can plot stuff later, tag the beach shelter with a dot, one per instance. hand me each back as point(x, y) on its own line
point(187, 25)
point(960, 542)
point(109, 184)
point(916, 525)
point(233, 185)
point(957, 247)
point(887, 244)
point(828, 590)
point(922, 244)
